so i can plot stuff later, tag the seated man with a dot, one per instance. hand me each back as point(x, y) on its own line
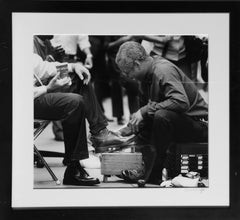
point(51, 103)
point(174, 110)
point(100, 135)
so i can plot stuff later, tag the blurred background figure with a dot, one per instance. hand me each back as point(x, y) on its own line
point(197, 54)
point(43, 47)
point(118, 81)
point(189, 53)
point(76, 49)
point(171, 47)
point(100, 76)
point(71, 45)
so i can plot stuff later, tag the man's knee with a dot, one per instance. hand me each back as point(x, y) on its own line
point(164, 116)
point(75, 101)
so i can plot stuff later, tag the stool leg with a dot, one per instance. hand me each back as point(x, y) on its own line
point(46, 165)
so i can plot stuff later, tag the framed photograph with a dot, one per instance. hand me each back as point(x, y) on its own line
point(27, 186)
point(26, 26)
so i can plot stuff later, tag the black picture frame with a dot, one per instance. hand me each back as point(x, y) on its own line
point(6, 212)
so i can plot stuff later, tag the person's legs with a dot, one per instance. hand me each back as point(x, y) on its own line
point(132, 89)
point(100, 135)
point(94, 114)
point(167, 127)
point(97, 121)
point(117, 99)
point(69, 108)
point(116, 89)
point(133, 103)
point(57, 130)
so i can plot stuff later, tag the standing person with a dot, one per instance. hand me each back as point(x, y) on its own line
point(172, 48)
point(50, 103)
point(118, 80)
point(100, 76)
point(174, 110)
point(71, 45)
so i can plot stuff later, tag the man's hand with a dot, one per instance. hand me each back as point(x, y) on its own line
point(82, 72)
point(88, 62)
point(58, 84)
point(134, 122)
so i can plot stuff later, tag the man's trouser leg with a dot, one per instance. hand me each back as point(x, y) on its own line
point(57, 130)
point(69, 108)
point(132, 89)
point(94, 114)
point(167, 127)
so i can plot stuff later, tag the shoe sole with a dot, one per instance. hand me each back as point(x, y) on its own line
point(106, 144)
point(115, 147)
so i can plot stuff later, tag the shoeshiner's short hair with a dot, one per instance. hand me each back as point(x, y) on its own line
point(129, 52)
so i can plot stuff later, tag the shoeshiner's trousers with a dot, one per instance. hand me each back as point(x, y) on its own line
point(166, 127)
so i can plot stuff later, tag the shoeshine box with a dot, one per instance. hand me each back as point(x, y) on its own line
point(114, 163)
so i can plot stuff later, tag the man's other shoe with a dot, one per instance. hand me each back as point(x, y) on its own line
point(132, 176)
point(77, 175)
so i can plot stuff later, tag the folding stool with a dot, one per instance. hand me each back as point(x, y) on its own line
point(39, 126)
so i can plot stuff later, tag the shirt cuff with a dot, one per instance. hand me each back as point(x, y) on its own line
point(144, 111)
point(70, 67)
point(42, 89)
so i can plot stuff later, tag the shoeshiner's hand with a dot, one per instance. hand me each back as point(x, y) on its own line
point(135, 120)
point(58, 84)
point(82, 72)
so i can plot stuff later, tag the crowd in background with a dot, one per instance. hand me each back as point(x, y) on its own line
point(98, 53)
point(189, 53)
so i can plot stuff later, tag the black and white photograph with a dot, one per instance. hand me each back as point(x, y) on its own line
point(120, 115)
point(120, 111)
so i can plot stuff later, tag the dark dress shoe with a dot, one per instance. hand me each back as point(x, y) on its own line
point(132, 176)
point(77, 175)
point(105, 138)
